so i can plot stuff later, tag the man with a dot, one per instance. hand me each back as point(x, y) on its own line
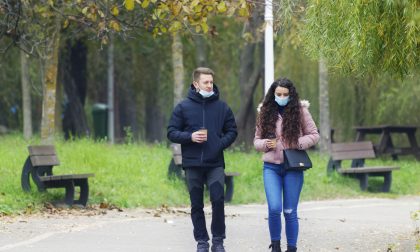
point(204, 126)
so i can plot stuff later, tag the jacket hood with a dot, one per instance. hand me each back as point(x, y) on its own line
point(193, 95)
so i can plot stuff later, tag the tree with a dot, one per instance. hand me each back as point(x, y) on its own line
point(250, 74)
point(178, 68)
point(72, 65)
point(363, 37)
point(26, 96)
point(324, 111)
point(36, 26)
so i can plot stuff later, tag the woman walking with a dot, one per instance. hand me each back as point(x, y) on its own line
point(284, 122)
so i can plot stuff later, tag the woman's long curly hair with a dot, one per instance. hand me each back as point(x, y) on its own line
point(268, 115)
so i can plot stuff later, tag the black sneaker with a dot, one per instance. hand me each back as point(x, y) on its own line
point(217, 247)
point(202, 246)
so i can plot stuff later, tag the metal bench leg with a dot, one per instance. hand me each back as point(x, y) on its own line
point(229, 188)
point(84, 192)
point(69, 198)
point(387, 182)
point(333, 165)
point(24, 180)
point(363, 178)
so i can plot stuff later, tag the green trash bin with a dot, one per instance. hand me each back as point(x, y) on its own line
point(100, 120)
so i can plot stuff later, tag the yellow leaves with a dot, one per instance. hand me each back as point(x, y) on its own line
point(129, 5)
point(204, 27)
point(92, 11)
point(243, 10)
point(85, 10)
point(186, 10)
point(101, 26)
point(65, 24)
point(194, 3)
point(175, 26)
point(145, 4)
point(176, 8)
point(158, 16)
point(115, 25)
point(115, 11)
point(221, 7)
point(101, 14)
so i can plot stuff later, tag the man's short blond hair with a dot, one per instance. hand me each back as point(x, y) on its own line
point(201, 70)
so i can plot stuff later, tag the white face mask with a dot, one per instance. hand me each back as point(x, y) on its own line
point(206, 94)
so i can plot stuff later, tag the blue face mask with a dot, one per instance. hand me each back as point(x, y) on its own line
point(281, 101)
point(206, 94)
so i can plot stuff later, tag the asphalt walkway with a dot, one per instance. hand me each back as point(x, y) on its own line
point(337, 225)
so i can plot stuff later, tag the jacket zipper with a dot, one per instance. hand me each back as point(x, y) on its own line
point(202, 146)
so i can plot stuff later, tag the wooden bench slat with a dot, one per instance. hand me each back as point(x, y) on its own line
point(353, 154)
point(371, 169)
point(355, 150)
point(176, 153)
point(42, 150)
point(76, 176)
point(177, 159)
point(66, 176)
point(44, 160)
point(233, 174)
point(365, 145)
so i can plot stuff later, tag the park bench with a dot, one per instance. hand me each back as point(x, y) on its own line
point(39, 165)
point(229, 176)
point(358, 152)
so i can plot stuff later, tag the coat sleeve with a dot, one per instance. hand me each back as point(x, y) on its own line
point(175, 128)
point(230, 131)
point(259, 144)
point(310, 133)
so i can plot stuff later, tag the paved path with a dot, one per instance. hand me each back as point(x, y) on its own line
point(338, 225)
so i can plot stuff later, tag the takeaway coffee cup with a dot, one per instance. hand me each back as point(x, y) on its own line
point(274, 140)
point(203, 130)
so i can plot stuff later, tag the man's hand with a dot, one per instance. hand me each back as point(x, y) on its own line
point(199, 137)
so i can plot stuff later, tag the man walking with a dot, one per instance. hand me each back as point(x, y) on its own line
point(204, 126)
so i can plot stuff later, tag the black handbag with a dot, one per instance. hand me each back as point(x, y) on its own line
point(296, 160)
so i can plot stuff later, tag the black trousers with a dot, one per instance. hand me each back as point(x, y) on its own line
point(214, 178)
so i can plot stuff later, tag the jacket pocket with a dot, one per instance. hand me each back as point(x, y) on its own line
point(192, 151)
point(213, 149)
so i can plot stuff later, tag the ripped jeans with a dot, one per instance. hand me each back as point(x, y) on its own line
point(282, 190)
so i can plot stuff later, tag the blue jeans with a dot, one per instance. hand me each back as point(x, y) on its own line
point(282, 190)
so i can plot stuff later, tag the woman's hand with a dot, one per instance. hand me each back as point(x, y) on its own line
point(271, 143)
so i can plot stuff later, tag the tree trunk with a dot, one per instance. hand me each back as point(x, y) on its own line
point(154, 117)
point(324, 108)
point(26, 96)
point(73, 68)
point(178, 68)
point(111, 103)
point(49, 88)
point(200, 47)
point(250, 73)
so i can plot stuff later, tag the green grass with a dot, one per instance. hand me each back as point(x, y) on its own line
point(135, 175)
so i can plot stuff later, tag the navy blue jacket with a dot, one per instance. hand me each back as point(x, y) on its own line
point(196, 112)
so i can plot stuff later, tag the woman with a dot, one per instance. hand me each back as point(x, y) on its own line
point(284, 122)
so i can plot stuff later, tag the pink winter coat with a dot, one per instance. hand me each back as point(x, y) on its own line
point(309, 136)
